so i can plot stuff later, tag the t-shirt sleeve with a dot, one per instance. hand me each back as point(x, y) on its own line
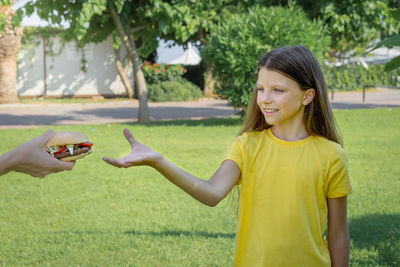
point(338, 179)
point(235, 153)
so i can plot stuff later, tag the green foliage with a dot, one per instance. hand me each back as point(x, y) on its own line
point(391, 42)
point(16, 18)
point(32, 35)
point(3, 22)
point(157, 72)
point(6, 2)
point(354, 76)
point(237, 44)
point(173, 90)
point(355, 24)
point(394, 63)
point(183, 21)
point(165, 83)
point(89, 9)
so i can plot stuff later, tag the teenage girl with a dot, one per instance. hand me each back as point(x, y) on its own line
point(289, 164)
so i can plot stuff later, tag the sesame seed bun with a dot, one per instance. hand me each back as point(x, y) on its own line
point(67, 138)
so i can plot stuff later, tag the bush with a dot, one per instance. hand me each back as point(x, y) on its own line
point(175, 90)
point(355, 76)
point(157, 72)
point(239, 41)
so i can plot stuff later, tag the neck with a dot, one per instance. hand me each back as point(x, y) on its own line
point(290, 133)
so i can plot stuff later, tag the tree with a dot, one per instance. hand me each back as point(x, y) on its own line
point(194, 21)
point(10, 40)
point(391, 42)
point(236, 45)
point(352, 24)
point(95, 20)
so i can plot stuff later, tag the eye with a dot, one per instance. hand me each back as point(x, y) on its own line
point(278, 90)
point(260, 89)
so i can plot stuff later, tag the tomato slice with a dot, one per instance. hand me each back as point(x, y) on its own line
point(88, 144)
point(61, 149)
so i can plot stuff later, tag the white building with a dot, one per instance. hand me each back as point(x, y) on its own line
point(61, 75)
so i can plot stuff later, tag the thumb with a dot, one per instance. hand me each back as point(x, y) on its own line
point(46, 136)
point(129, 136)
point(64, 165)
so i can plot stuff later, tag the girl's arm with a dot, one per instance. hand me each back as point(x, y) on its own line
point(338, 233)
point(208, 192)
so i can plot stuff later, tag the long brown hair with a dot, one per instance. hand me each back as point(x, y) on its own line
point(299, 64)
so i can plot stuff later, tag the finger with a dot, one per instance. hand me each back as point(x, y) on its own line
point(62, 165)
point(129, 136)
point(114, 162)
point(66, 165)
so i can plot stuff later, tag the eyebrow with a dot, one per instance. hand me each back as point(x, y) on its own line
point(273, 86)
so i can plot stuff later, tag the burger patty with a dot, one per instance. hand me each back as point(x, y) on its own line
point(77, 151)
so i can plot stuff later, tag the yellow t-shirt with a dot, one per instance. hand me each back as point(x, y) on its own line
point(284, 188)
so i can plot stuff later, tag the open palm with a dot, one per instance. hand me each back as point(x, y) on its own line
point(140, 154)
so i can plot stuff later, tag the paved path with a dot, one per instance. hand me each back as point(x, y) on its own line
point(31, 115)
point(35, 115)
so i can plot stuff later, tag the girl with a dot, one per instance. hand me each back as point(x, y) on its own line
point(289, 164)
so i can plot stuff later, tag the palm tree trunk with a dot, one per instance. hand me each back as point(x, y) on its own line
point(10, 41)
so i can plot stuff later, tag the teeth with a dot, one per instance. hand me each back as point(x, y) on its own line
point(269, 110)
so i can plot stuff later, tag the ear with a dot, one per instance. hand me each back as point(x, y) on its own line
point(309, 95)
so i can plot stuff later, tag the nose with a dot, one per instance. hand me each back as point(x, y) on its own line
point(265, 96)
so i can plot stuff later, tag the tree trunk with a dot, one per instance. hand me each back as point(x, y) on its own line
point(209, 84)
point(144, 116)
point(122, 74)
point(208, 89)
point(10, 41)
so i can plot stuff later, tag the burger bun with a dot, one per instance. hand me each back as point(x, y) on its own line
point(67, 138)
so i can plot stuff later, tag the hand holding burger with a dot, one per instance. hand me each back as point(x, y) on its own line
point(33, 159)
point(69, 146)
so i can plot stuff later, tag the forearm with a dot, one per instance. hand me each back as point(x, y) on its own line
point(6, 162)
point(199, 189)
point(339, 249)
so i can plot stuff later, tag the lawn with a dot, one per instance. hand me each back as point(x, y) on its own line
point(98, 215)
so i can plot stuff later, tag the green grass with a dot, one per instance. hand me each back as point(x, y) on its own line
point(97, 215)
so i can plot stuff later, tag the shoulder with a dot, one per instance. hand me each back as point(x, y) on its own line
point(330, 149)
point(250, 137)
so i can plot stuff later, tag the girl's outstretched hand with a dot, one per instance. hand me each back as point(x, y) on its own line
point(140, 154)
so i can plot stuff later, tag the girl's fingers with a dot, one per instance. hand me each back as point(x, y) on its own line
point(114, 162)
point(129, 136)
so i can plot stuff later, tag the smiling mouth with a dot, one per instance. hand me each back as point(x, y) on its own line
point(270, 110)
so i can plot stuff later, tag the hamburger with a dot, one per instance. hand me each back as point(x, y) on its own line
point(69, 146)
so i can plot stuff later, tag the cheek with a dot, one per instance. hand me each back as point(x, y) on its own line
point(258, 100)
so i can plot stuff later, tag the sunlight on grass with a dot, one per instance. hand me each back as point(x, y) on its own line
point(100, 215)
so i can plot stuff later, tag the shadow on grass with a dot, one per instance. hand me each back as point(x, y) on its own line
point(179, 233)
point(166, 233)
point(231, 121)
point(380, 233)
